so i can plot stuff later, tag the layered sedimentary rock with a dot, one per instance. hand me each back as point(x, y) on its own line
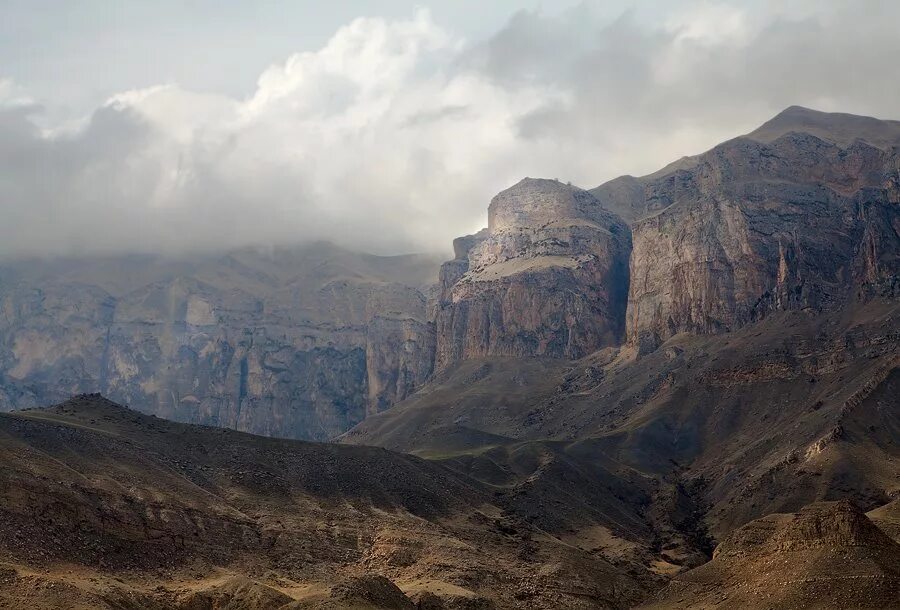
point(399, 354)
point(797, 215)
point(548, 277)
point(301, 343)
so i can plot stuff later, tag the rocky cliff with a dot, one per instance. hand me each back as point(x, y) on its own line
point(800, 214)
point(548, 277)
point(296, 343)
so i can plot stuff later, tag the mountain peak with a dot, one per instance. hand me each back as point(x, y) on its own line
point(837, 127)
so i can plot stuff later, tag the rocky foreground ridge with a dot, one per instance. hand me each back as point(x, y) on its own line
point(828, 555)
point(152, 514)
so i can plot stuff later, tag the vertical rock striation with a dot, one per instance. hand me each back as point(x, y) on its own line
point(780, 219)
point(300, 343)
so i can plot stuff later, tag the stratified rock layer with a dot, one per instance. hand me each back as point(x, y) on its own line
point(548, 277)
point(776, 220)
point(296, 343)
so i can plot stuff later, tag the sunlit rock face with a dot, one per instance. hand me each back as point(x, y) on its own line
point(548, 277)
point(300, 343)
point(777, 220)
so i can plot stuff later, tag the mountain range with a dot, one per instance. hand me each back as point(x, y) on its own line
point(678, 390)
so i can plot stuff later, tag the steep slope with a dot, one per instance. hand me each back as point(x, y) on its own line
point(95, 498)
point(887, 518)
point(800, 213)
point(828, 555)
point(797, 223)
point(293, 343)
point(548, 277)
point(796, 408)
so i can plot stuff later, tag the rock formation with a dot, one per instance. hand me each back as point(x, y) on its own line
point(297, 343)
point(780, 219)
point(828, 555)
point(548, 277)
point(802, 214)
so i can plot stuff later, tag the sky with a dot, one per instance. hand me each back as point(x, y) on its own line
point(384, 126)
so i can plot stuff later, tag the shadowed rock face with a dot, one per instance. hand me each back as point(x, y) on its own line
point(547, 278)
point(296, 343)
point(777, 221)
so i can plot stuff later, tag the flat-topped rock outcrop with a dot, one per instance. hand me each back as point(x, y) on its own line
point(548, 277)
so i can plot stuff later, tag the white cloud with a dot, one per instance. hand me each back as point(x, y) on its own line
point(396, 133)
point(13, 96)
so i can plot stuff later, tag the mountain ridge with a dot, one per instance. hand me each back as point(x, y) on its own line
point(679, 390)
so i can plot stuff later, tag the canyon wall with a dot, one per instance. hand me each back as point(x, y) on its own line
point(789, 221)
point(548, 277)
point(801, 214)
point(300, 344)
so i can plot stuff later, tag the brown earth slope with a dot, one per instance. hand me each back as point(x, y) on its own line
point(797, 408)
point(828, 555)
point(101, 506)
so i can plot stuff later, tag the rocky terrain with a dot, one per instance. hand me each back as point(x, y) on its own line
point(549, 277)
point(300, 343)
point(758, 372)
point(679, 389)
point(104, 507)
point(800, 214)
point(828, 555)
point(797, 408)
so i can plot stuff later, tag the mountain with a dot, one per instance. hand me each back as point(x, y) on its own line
point(104, 507)
point(838, 128)
point(679, 389)
point(548, 277)
point(758, 367)
point(801, 213)
point(298, 343)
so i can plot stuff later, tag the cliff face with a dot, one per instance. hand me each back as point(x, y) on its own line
point(299, 344)
point(548, 277)
point(777, 220)
point(801, 214)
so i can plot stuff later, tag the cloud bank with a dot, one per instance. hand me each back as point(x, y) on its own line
point(395, 134)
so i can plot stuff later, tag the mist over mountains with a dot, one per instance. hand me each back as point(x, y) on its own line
point(598, 311)
point(577, 95)
point(674, 389)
